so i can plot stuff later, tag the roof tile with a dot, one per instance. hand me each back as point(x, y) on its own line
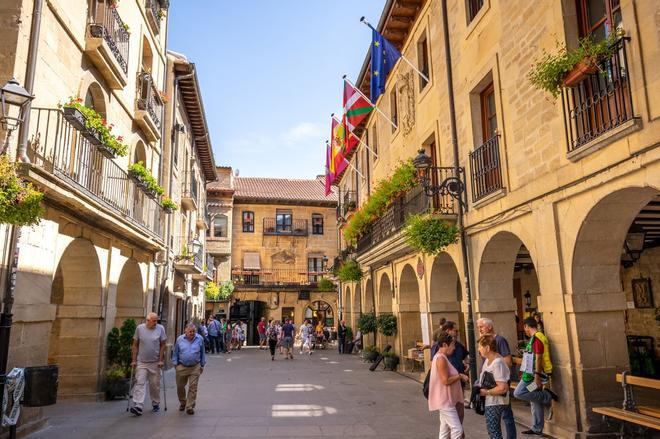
point(282, 189)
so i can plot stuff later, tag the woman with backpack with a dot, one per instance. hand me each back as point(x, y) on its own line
point(272, 335)
point(445, 387)
point(494, 386)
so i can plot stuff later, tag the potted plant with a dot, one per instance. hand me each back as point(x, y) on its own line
point(169, 206)
point(73, 114)
point(117, 376)
point(391, 360)
point(351, 205)
point(387, 324)
point(429, 233)
point(568, 68)
point(367, 323)
point(326, 284)
point(20, 202)
point(141, 176)
point(350, 271)
point(370, 354)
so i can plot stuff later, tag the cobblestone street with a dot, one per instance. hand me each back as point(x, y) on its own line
point(244, 394)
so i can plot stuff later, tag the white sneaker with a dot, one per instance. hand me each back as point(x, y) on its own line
point(300, 352)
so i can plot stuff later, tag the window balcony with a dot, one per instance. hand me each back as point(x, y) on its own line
point(148, 107)
point(107, 44)
point(154, 9)
point(189, 194)
point(218, 246)
point(276, 278)
point(297, 227)
point(486, 169)
point(203, 222)
point(210, 267)
point(77, 176)
point(349, 203)
point(189, 263)
point(600, 103)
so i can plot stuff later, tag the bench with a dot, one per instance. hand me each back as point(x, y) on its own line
point(644, 416)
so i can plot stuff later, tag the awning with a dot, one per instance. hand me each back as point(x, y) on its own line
point(251, 261)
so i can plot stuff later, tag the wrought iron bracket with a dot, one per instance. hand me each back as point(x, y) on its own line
point(452, 186)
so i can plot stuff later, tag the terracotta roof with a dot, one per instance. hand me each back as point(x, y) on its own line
point(282, 189)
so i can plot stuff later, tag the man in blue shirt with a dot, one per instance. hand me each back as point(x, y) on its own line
point(214, 335)
point(189, 359)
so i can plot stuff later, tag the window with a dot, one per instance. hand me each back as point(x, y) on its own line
point(597, 16)
point(220, 226)
point(473, 8)
point(488, 114)
point(394, 114)
point(283, 221)
point(373, 137)
point(423, 61)
point(248, 221)
point(317, 224)
point(314, 266)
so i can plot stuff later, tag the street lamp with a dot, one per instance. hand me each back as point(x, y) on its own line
point(13, 98)
point(452, 186)
point(528, 300)
point(635, 242)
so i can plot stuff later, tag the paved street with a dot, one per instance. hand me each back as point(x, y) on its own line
point(246, 395)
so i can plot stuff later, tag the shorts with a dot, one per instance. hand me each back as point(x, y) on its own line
point(287, 342)
point(262, 337)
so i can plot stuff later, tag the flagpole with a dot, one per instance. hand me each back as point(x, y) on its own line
point(351, 165)
point(369, 100)
point(358, 139)
point(402, 56)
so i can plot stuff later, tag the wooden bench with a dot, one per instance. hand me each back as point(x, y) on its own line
point(644, 416)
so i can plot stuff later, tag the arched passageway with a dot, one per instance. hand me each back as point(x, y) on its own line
point(410, 327)
point(445, 292)
point(130, 294)
point(356, 308)
point(76, 333)
point(616, 260)
point(346, 305)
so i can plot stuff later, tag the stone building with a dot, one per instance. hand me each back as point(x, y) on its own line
point(188, 159)
point(100, 254)
point(220, 205)
point(562, 196)
point(283, 235)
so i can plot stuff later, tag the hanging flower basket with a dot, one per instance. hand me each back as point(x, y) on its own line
point(107, 151)
point(579, 73)
point(75, 118)
point(20, 202)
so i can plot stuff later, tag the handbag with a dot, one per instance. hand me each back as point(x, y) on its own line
point(488, 380)
point(425, 385)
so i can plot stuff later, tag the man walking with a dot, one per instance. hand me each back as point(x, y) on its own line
point(148, 352)
point(287, 338)
point(341, 336)
point(190, 360)
point(486, 327)
point(536, 368)
point(214, 335)
point(261, 329)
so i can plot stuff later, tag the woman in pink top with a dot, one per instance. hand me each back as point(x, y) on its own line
point(445, 388)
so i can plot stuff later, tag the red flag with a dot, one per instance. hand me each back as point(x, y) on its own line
point(356, 107)
point(329, 177)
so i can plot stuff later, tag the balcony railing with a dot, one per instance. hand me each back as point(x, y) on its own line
point(298, 227)
point(210, 265)
point(153, 8)
point(109, 25)
point(601, 102)
point(412, 203)
point(189, 195)
point(273, 277)
point(349, 202)
point(149, 100)
point(61, 150)
point(485, 169)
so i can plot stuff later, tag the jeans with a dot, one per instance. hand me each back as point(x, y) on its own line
point(272, 344)
point(213, 342)
point(341, 342)
point(450, 424)
point(537, 399)
point(509, 422)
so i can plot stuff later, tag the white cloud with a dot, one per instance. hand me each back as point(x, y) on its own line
point(302, 132)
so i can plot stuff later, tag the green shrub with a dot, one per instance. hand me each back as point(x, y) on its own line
point(367, 323)
point(226, 290)
point(167, 203)
point(370, 348)
point(140, 172)
point(387, 324)
point(94, 121)
point(429, 233)
point(326, 284)
point(20, 202)
point(212, 291)
point(389, 354)
point(350, 271)
point(126, 333)
point(548, 71)
point(116, 373)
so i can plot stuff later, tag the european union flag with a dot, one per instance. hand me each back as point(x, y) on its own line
point(383, 57)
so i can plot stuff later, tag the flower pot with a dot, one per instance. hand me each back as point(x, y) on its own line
point(92, 136)
point(372, 356)
point(116, 388)
point(579, 73)
point(75, 118)
point(96, 30)
point(151, 194)
point(106, 151)
point(136, 179)
point(168, 210)
point(391, 362)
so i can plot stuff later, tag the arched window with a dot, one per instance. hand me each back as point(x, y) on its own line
point(220, 226)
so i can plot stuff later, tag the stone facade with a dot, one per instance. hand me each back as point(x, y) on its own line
point(555, 215)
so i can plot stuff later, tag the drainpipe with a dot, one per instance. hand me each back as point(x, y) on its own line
point(464, 247)
point(31, 67)
point(373, 297)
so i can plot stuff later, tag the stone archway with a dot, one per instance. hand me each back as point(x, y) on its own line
point(368, 302)
point(346, 305)
point(384, 304)
point(76, 333)
point(409, 324)
point(506, 266)
point(445, 291)
point(356, 307)
point(130, 294)
point(599, 316)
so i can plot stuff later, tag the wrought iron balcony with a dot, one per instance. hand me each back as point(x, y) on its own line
point(63, 153)
point(210, 265)
point(297, 227)
point(349, 203)
point(107, 43)
point(154, 13)
point(149, 107)
point(412, 203)
point(189, 192)
point(601, 102)
point(276, 277)
point(486, 169)
point(189, 263)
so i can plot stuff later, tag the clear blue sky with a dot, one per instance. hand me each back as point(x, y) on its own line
point(270, 74)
